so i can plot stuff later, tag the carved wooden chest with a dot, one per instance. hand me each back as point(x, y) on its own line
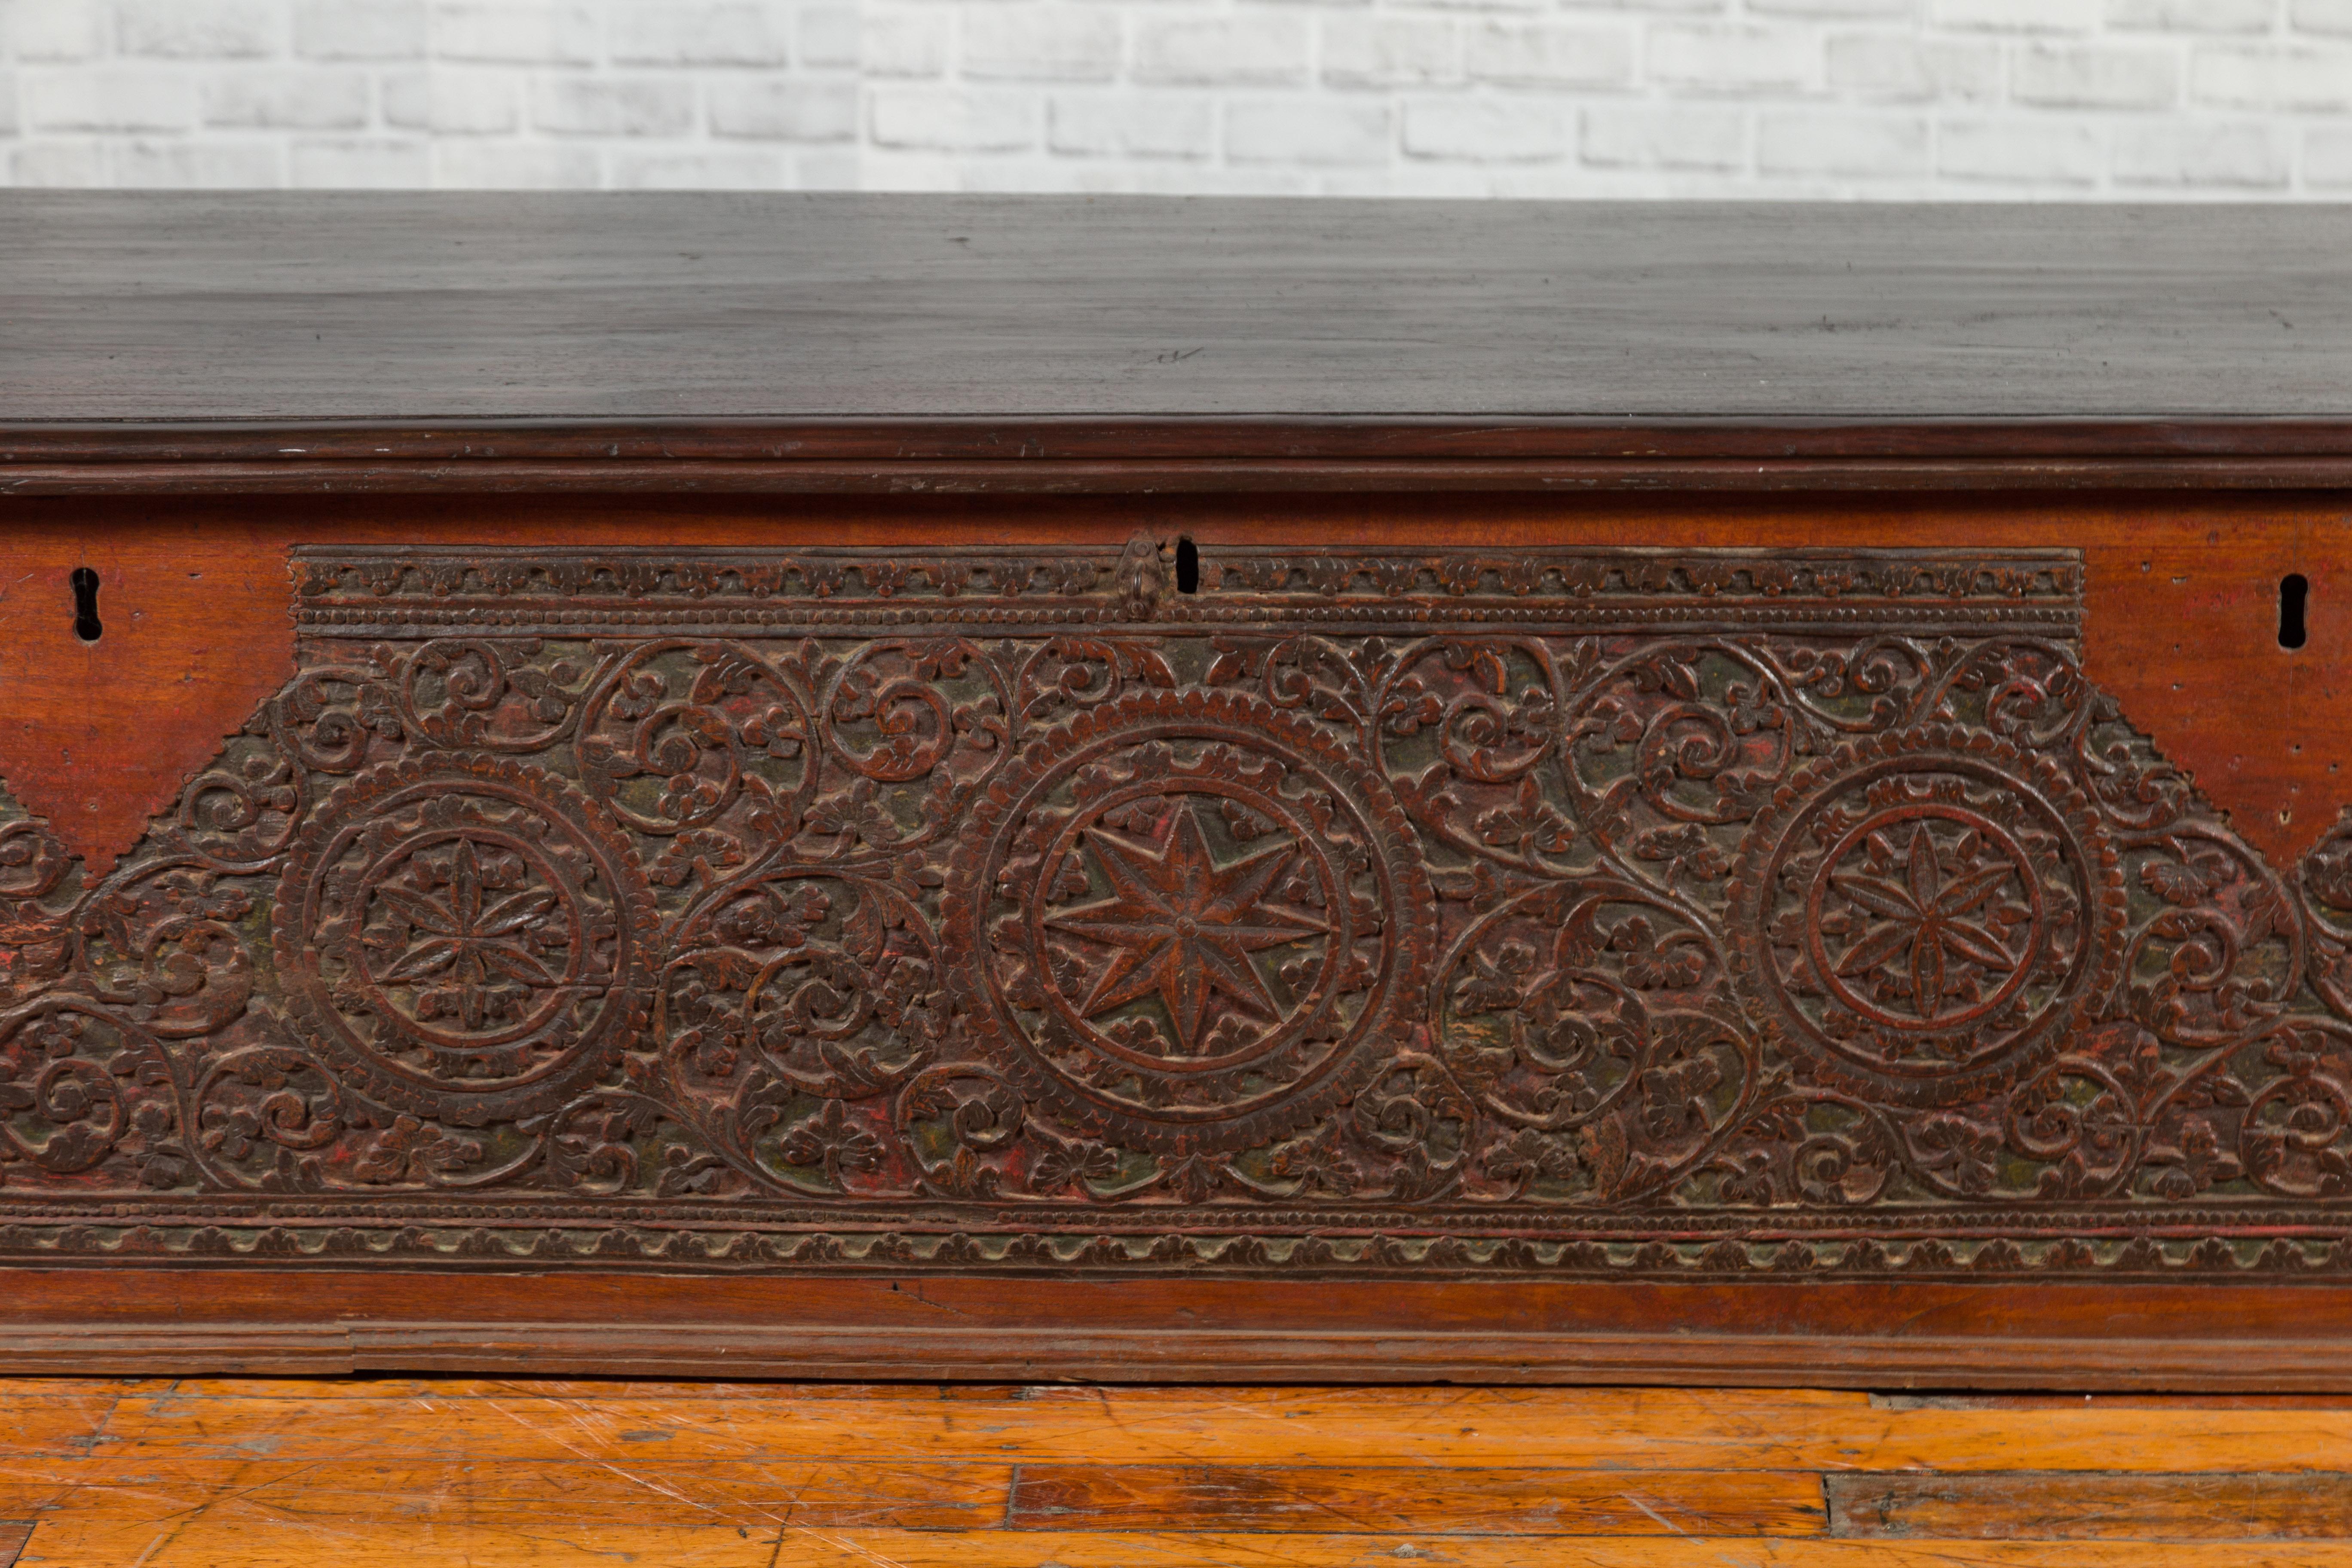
point(1027, 788)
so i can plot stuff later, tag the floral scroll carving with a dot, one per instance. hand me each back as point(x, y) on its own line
point(1614, 911)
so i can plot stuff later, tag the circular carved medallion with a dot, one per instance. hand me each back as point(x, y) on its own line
point(467, 938)
point(1924, 917)
point(1189, 922)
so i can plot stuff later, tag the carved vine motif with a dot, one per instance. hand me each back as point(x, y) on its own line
point(1603, 911)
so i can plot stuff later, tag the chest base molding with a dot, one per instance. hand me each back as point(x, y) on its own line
point(1892, 1335)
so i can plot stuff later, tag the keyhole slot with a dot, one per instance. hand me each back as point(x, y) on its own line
point(1188, 567)
point(87, 626)
point(2294, 596)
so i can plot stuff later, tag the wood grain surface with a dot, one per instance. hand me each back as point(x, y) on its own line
point(1906, 1334)
point(262, 305)
point(2182, 594)
point(246, 1473)
point(2099, 1506)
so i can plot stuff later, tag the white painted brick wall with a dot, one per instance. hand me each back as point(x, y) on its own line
point(2065, 100)
point(414, 93)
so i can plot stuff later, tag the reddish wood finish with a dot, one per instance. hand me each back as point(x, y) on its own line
point(196, 635)
point(1176, 456)
point(1747, 1333)
point(2182, 623)
point(2182, 598)
point(1654, 384)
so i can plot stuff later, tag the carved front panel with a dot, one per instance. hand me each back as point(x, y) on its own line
point(1628, 912)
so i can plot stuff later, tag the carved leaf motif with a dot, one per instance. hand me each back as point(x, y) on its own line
point(1071, 1163)
point(2174, 883)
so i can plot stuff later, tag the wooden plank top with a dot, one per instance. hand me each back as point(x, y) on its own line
point(160, 310)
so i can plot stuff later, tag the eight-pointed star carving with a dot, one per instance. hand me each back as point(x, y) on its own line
point(1183, 925)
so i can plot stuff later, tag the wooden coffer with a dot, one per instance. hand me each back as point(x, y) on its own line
point(870, 787)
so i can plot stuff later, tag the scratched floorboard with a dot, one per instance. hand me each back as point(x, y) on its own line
point(259, 1473)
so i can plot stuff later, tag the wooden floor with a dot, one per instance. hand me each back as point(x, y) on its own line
point(242, 1474)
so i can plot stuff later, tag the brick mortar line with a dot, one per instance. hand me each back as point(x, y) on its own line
point(2084, 98)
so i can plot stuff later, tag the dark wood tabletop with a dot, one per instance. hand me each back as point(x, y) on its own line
point(795, 327)
point(270, 306)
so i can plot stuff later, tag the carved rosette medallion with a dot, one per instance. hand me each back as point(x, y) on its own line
point(1190, 923)
point(465, 936)
point(1926, 916)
